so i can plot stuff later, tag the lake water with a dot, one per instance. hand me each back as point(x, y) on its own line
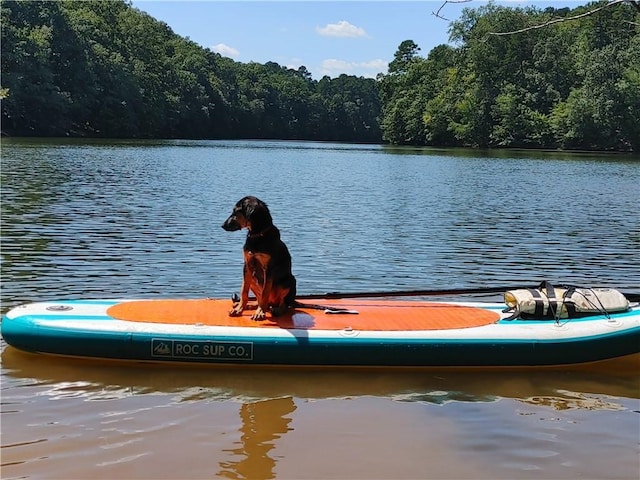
point(94, 219)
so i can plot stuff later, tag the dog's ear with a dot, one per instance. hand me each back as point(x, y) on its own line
point(249, 207)
point(256, 212)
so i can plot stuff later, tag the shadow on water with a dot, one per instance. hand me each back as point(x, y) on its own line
point(475, 153)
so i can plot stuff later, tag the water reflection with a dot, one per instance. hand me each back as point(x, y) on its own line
point(95, 380)
point(236, 423)
point(572, 400)
point(263, 422)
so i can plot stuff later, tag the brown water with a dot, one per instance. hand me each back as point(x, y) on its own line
point(112, 219)
point(65, 418)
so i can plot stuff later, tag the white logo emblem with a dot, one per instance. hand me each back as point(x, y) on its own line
point(161, 349)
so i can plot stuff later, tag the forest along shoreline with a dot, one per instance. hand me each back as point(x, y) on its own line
point(81, 69)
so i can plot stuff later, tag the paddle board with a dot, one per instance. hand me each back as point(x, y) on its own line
point(376, 332)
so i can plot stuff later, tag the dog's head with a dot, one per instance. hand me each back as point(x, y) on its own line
point(248, 212)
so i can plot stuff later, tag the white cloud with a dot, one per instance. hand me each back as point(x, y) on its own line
point(341, 29)
point(334, 67)
point(294, 64)
point(225, 50)
point(378, 65)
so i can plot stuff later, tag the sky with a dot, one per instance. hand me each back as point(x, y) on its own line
point(354, 37)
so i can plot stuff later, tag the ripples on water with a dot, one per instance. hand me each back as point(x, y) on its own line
point(142, 219)
point(74, 419)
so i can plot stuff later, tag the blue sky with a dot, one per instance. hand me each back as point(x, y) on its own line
point(355, 37)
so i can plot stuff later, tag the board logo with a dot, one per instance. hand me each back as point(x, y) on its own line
point(59, 308)
point(197, 349)
point(162, 349)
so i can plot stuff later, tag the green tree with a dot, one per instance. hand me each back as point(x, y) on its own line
point(103, 68)
point(521, 77)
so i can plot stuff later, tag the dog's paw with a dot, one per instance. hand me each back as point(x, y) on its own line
point(259, 314)
point(236, 311)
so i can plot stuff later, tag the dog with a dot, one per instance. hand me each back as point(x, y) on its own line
point(267, 262)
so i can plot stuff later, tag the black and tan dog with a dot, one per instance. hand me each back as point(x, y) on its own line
point(267, 262)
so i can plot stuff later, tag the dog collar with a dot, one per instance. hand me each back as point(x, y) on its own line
point(260, 234)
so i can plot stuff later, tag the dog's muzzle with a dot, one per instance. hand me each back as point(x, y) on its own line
point(231, 225)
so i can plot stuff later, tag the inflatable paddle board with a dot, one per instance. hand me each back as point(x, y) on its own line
point(369, 332)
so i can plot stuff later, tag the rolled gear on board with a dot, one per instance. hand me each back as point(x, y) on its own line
point(549, 302)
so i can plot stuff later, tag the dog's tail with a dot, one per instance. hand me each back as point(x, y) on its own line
point(235, 298)
point(326, 308)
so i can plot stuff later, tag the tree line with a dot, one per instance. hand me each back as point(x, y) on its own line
point(571, 85)
point(105, 69)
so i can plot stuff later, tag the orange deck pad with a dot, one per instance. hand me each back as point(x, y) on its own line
point(372, 315)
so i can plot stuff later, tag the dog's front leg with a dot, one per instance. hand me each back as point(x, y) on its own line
point(238, 308)
point(263, 298)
